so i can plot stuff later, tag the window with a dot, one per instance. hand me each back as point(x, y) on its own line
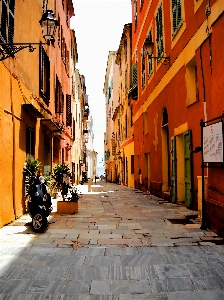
point(126, 126)
point(126, 80)
point(177, 15)
point(135, 13)
point(30, 143)
point(132, 164)
point(76, 112)
point(44, 75)
point(159, 32)
point(134, 82)
point(73, 130)
point(59, 32)
point(59, 97)
point(150, 65)
point(125, 50)
point(68, 110)
point(143, 69)
point(141, 3)
point(192, 82)
point(131, 116)
point(7, 8)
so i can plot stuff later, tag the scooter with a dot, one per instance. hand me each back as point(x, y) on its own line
point(39, 207)
point(39, 214)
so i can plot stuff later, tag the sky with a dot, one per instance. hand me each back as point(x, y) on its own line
point(98, 26)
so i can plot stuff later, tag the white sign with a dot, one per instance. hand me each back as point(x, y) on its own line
point(213, 143)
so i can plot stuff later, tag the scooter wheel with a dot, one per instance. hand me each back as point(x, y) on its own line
point(39, 222)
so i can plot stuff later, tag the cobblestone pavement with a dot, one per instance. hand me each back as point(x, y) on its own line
point(123, 244)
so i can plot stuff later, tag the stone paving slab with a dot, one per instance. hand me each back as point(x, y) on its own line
point(121, 246)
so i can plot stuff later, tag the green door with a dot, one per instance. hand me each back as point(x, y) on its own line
point(188, 198)
point(174, 169)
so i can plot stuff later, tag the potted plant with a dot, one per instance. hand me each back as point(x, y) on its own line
point(32, 167)
point(60, 180)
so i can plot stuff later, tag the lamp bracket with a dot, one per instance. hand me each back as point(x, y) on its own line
point(166, 58)
point(10, 49)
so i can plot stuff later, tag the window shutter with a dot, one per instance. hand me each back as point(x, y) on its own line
point(41, 69)
point(177, 15)
point(57, 96)
point(188, 197)
point(68, 110)
point(159, 26)
point(149, 59)
point(44, 76)
point(61, 100)
point(174, 169)
point(73, 130)
point(143, 69)
point(134, 75)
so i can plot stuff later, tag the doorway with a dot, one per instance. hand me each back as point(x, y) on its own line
point(182, 168)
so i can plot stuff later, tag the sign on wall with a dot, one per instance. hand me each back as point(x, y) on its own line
point(213, 143)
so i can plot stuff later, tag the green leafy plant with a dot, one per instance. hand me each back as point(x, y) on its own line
point(73, 195)
point(57, 178)
point(32, 167)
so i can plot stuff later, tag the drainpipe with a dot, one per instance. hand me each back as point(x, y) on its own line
point(13, 151)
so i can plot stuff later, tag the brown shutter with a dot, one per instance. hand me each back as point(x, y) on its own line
point(68, 110)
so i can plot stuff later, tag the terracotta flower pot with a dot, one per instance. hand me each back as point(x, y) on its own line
point(67, 207)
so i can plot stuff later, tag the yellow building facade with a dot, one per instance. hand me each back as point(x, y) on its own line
point(123, 118)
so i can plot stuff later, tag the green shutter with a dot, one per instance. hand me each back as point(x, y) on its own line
point(134, 75)
point(176, 14)
point(159, 31)
point(188, 169)
point(174, 169)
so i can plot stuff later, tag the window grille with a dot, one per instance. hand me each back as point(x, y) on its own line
point(150, 65)
point(159, 32)
point(7, 8)
point(68, 110)
point(177, 15)
point(134, 78)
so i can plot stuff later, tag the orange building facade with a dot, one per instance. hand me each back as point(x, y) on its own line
point(35, 97)
point(173, 88)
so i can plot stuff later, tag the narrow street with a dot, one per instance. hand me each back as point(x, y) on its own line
point(123, 244)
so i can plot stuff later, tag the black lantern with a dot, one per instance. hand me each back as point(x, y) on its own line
point(48, 24)
point(148, 48)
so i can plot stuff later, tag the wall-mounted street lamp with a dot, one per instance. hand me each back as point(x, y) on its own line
point(48, 24)
point(148, 48)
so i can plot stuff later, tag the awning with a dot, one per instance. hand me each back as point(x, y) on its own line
point(132, 88)
point(32, 110)
point(133, 92)
point(59, 135)
point(50, 125)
